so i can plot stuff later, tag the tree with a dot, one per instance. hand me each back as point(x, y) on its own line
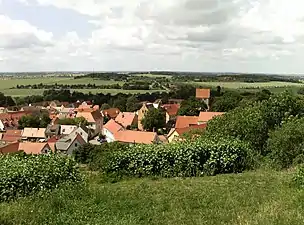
point(73, 121)
point(192, 107)
point(105, 106)
point(44, 120)
point(230, 100)
point(29, 121)
point(154, 120)
point(120, 103)
point(132, 104)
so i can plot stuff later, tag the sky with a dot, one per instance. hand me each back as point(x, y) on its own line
point(253, 36)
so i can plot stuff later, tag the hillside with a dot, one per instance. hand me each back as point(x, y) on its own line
point(257, 197)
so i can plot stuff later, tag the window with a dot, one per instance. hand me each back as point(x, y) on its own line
point(76, 144)
point(80, 133)
point(63, 130)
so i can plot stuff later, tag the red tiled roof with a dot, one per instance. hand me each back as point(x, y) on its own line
point(125, 118)
point(112, 126)
point(206, 116)
point(12, 135)
point(181, 131)
point(112, 112)
point(11, 148)
point(91, 117)
point(32, 147)
point(202, 93)
point(186, 121)
point(171, 109)
point(138, 137)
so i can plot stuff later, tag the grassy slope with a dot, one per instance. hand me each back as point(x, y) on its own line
point(250, 198)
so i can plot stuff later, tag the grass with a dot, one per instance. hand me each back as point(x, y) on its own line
point(260, 197)
point(239, 85)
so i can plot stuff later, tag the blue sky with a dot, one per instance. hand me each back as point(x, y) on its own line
point(193, 35)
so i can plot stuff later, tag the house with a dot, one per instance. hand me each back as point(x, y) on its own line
point(10, 119)
point(52, 141)
point(142, 112)
point(83, 131)
point(203, 94)
point(95, 120)
point(68, 144)
point(171, 111)
point(34, 148)
point(186, 121)
point(163, 139)
point(176, 133)
point(111, 113)
point(9, 148)
point(137, 137)
point(12, 136)
point(26, 147)
point(2, 127)
point(67, 129)
point(52, 130)
point(3, 110)
point(33, 134)
point(127, 119)
point(204, 117)
point(110, 129)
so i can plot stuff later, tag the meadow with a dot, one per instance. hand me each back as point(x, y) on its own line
point(252, 198)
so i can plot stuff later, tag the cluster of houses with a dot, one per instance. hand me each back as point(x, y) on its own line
point(124, 127)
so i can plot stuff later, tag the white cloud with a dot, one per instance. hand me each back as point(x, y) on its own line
point(171, 34)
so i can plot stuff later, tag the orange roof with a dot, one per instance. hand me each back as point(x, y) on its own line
point(11, 148)
point(126, 118)
point(32, 147)
point(202, 93)
point(181, 131)
point(112, 112)
point(206, 116)
point(112, 126)
point(91, 117)
point(12, 135)
point(186, 121)
point(138, 137)
point(171, 109)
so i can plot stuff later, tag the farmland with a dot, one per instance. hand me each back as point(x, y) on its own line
point(257, 197)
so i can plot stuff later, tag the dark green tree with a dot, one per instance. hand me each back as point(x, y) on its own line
point(192, 107)
point(154, 119)
point(132, 104)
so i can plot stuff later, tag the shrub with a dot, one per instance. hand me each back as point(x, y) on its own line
point(298, 178)
point(179, 159)
point(285, 144)
point(24, 175)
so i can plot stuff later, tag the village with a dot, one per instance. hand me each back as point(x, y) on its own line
point(99, 126)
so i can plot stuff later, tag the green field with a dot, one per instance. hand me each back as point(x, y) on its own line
point(151, 75)
point(251, 198)
point(240, 85)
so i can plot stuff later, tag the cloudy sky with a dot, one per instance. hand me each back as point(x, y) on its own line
point(186, 35)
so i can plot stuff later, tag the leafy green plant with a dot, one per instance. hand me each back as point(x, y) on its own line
point(298, 178)
point(201, 157)
point(22, 175)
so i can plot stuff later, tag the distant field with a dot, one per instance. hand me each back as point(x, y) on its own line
point(238, 85)
point(27, 92)
point(151, 75)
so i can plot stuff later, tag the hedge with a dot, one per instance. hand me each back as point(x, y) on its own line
point(202, 157)
point(24, 175)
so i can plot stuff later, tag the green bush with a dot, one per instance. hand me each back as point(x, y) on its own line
point(285, 144)
point(202, 157)
point(298, 178)
point(24, 175)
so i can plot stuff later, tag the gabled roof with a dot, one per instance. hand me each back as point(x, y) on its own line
point(91, 117)
point(181, 131)
point(138, 137)
point(202, 93)
point(53, 129)
point(186, 121)
point(11, 148)
point(126, 118)
point(206, 116)
point(32, 147)
point(65, 143)
point(67, 129)
point(12, 135)
point(112, 112)
point(34, 132)
point(171, 109)
point(112, 126)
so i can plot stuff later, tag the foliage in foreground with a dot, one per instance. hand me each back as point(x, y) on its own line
point(24, 175)
point(286, 144)
point(196, 158)
point(298, 178)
